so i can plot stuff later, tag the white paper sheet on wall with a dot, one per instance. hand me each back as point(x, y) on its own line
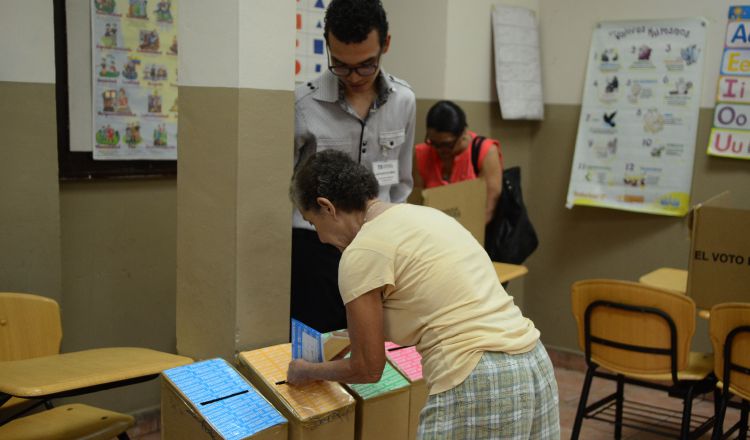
point(518, 72)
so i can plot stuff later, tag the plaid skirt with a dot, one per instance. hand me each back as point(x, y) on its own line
point(505, 397)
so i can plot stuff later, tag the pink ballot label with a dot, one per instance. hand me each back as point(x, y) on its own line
point(406, 359)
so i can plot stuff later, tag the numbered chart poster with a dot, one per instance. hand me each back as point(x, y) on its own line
point(310, 53)
point(636, 135)
point(730, 135)
point(134, 50)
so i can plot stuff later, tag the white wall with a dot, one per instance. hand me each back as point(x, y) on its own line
point(237, 43)
point(27, 24)
point(470, 71)
point(418, 43)
point(565, 47)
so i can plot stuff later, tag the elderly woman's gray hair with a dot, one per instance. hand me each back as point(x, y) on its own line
point(335, 176)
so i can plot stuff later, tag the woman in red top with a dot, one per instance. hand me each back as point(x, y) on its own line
point(445, 155)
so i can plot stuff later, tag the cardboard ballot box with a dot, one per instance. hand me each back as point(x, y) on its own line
point(210, 400)
point(409, 363)
point(317, 411)
point(465, 201)
point(719, 266)
point(382, 407)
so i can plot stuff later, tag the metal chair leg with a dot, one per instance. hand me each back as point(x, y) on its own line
point(582, 403)
point(619, 406)
point(687, 409)
point(719, 423)
point(743, 420)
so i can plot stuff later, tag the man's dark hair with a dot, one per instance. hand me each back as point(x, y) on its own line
point(446, 116)
point(350, 21)
point(334, 175)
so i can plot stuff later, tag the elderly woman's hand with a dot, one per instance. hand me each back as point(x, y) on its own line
point(297, 372)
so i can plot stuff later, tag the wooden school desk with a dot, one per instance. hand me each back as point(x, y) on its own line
point(507, 272)
point(671, 279)
point(81, 372)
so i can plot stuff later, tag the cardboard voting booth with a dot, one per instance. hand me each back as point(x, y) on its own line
point(465, 201)
point(382, 407)
point(409, 363)
point(210, 400)
point(317, 411)
point(719, 266)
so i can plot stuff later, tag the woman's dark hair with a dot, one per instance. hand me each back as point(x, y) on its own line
point(446, 116)
point(335, 176)
point(351, 21)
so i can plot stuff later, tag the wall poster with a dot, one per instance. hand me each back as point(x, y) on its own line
point(636, 134)
point(134, 60)
point(310, 53)
point(730, 135)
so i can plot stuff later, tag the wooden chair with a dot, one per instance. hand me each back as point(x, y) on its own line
point(730, 335)
point(69, 422)
point(641, 335)
point(30, 326)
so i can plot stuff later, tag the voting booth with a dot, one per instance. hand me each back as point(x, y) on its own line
point(465, 201)
point(382, 407)
point(409, 363)
point(719, 266)
point(317, 411)
point(210, 400)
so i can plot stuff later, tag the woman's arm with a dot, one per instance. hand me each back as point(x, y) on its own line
point(492, 171)
point(367, 359)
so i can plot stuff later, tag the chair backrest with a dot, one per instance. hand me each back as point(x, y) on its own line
point(29, 326)
point(726, 319)
point(637, 327)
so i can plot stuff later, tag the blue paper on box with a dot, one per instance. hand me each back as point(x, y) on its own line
point(227, 402)
point(307, 343)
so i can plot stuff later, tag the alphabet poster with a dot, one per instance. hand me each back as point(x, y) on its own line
point(730, 135)
point(636, 134)
point(310, 53)
point(134, 49)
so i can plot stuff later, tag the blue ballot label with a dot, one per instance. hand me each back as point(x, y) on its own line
point(227, 402)
point(307, 343)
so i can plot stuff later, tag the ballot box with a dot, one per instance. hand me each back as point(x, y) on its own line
point(409, 363)
point(382, 407)
point(318, 411)
point(211, 400)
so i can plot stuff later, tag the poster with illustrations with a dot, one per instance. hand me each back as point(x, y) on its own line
point(134, 50)
point(730, 135)
point(636, 134)
point(310, 53)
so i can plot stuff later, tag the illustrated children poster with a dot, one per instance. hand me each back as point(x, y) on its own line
point(636, 134)
point(730, 135)
point(134, 79)
point(310, 53)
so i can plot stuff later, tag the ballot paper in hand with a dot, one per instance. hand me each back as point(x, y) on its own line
point(307, 343)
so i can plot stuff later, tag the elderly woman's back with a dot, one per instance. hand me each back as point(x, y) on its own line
point(442, 291)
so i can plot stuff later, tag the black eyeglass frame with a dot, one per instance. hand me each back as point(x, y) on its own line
point(350, 69)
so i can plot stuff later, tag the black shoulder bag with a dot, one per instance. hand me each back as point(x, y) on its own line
point(509, 237)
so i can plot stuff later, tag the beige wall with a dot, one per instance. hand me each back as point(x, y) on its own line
point(118, 261)
point(29, 203)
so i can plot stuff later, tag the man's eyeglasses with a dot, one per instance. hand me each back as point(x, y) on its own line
point(341, 70)
point(440, 145)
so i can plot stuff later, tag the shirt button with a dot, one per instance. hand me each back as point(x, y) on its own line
point(364, 150)
point(364, 143)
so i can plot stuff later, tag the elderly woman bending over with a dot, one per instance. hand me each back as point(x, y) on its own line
point(413, 275)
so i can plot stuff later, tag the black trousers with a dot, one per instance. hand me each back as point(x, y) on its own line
point(316, 300)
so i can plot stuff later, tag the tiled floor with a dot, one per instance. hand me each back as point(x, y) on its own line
point(569, 383)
